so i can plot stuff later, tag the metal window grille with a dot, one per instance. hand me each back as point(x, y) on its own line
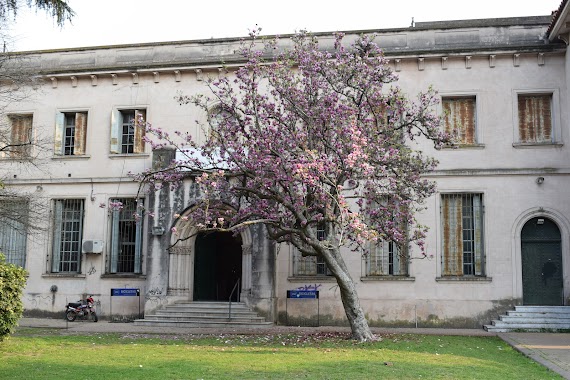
point(128, 132)
point(69, 134)
point(535, 118)
point(311, 265)
point(385, 259)
point(462, 218)
point(304, 266)
point(13, 231)
point(126, 238)
point(322, 267)
point(321, 232)
point(68, 234)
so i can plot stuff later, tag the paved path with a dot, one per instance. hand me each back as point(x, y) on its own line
point(549, 349)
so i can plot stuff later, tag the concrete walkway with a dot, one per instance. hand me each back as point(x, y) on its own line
point(549, 349)
point(552, 350)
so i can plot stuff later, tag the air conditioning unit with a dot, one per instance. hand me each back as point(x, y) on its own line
point(92, 246)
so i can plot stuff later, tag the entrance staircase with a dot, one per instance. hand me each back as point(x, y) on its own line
point(204, 314)
point(532, 318)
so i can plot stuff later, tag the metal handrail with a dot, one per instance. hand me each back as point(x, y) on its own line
point(231, 295)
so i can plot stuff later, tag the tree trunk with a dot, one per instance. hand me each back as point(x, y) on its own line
point(349, 296)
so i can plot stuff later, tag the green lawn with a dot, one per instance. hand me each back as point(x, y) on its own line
point(53, 354)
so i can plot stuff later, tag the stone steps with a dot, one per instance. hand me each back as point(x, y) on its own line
point(532, 318)
point(204, 314)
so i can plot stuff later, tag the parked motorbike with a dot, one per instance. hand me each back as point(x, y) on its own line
point(83, 309)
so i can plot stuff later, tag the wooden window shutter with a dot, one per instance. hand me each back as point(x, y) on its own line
point(27, 133)
point(140, 126)
point(56, 250)
point(21, 136)
point(116, 128)
point(59, 133)
point(16, 134)
point(459, 118)
point(80, 133)
point(115, 216)
point(535, 118)
point(478, 230)
point(452, 220)
point(138, 239)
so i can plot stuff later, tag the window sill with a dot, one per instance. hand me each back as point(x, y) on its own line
point(124, 275)
point(463, 146)
point(452, 279)
point(538, 145)
point(19, 159)
point(71, 157)
point(387, 278)
point(129, 155)
point(64, 275)
point(306, 278)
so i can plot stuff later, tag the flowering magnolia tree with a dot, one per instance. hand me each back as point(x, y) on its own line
point(309, 140)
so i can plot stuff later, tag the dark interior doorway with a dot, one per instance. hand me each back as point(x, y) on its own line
point(541, 252)
point(217, 266)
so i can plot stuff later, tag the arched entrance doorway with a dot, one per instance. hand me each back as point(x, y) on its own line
point(541, 256)
point(217, 266)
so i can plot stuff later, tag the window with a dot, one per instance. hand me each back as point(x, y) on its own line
point(311, 265)
point(127, 131)
point(219, 120)
point(19, 142)
point(385, 258)
point(535, 118)
point(13, 230)
point(219, 116)
point(71, 132)
point(462, 219)
point(126, 238)
point(459, 119)
point(67, 236)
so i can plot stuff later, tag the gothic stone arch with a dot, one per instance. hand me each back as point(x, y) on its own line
point(182, 259)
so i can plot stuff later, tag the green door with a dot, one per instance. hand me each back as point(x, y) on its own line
point(217, 266)
point(541, 263)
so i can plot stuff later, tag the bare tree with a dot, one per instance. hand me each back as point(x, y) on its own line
point(21, 211)
point(21, 148)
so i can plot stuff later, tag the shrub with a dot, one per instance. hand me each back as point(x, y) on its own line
point(12, 282)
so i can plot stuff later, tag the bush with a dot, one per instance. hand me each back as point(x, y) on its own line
point(12, 282)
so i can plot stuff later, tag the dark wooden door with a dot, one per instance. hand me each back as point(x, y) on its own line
point(217, 266)
point(541, 263)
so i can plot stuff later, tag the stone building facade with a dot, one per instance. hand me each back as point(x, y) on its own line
point(501, 211)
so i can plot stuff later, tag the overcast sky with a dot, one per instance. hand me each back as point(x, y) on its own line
point(111, 22)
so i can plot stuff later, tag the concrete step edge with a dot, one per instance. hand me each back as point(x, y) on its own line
point(217, 318)
point(202, 325)
point(559, 326)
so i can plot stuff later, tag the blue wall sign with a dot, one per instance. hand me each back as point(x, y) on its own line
point(302, 294)
point(125, 292)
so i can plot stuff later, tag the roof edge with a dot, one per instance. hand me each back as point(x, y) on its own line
point(451, 24)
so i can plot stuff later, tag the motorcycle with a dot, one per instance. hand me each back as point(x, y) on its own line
point(84, 309)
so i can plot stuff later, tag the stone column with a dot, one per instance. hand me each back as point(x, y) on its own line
point(246, 270)
point(180, 271)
